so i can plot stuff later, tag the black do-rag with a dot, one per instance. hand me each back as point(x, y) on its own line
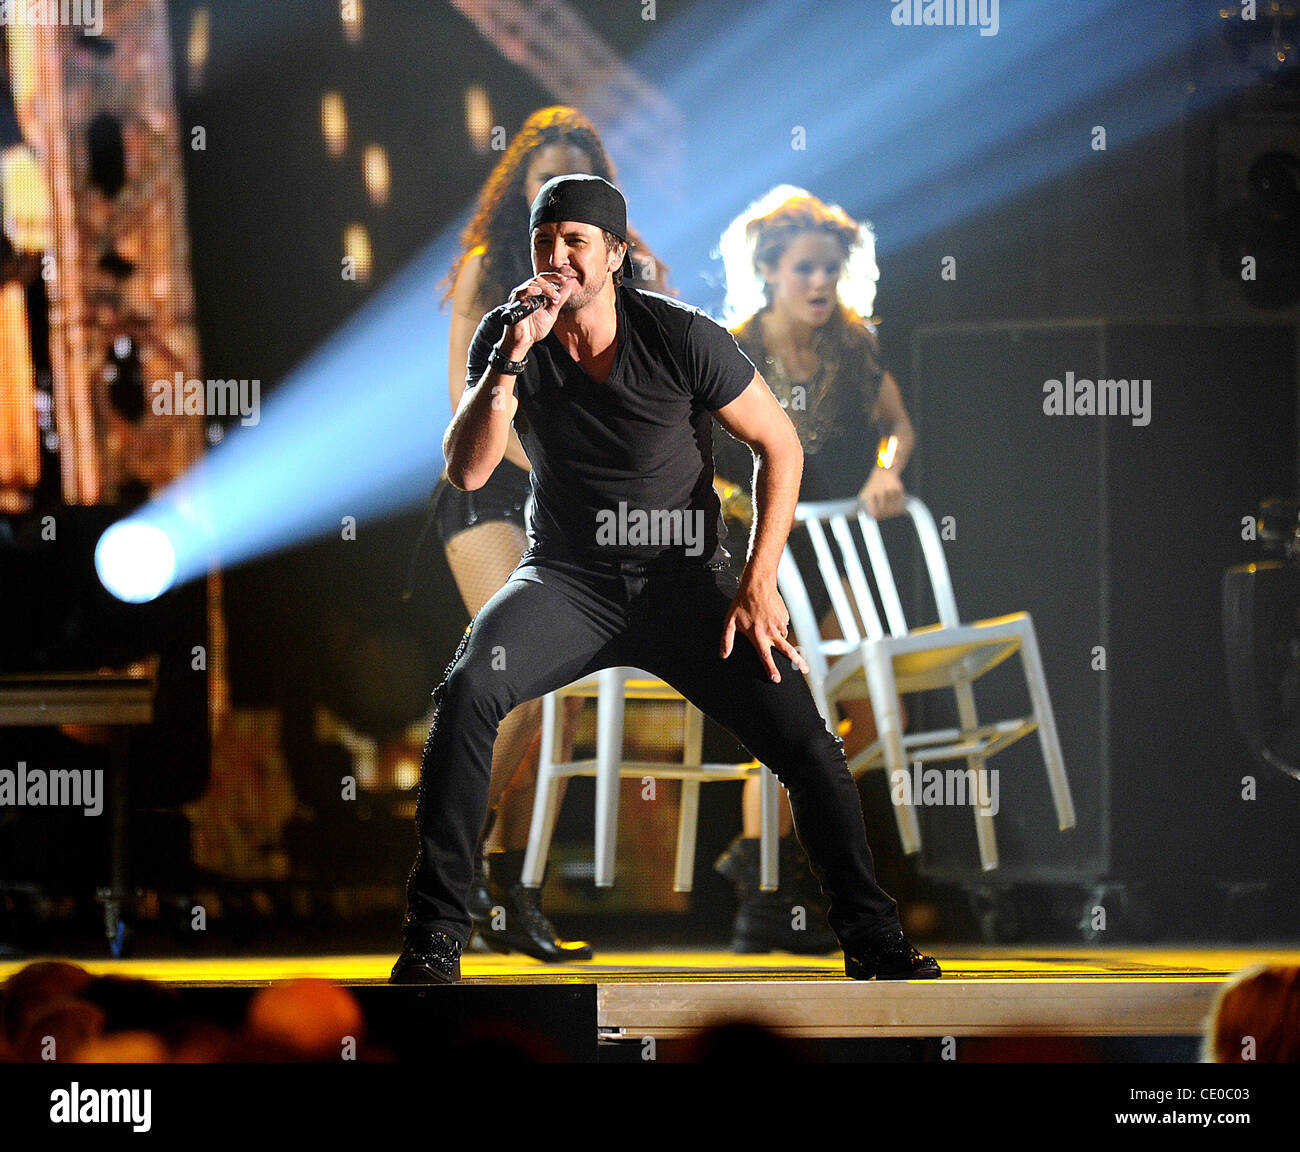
point(584, 199)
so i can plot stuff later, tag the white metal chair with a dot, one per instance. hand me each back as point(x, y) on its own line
point(611, 688)
point(883, 664)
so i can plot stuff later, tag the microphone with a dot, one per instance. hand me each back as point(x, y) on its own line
point(513, 313)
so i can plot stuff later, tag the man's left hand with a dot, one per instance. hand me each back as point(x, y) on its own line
point(759, 612)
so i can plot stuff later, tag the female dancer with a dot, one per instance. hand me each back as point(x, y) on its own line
point(802, 275)
point(483, 531)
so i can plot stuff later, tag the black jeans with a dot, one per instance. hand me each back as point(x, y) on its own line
point(555, 621)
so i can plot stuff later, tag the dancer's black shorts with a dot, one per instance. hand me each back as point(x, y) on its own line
point(503, 497)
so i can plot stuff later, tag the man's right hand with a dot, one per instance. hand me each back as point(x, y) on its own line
point(518, 338)
point(759, 612)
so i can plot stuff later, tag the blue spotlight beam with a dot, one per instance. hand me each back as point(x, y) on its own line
point(918, 106)
point(356, 431)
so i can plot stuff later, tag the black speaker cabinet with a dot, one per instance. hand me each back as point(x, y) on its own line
point(1102, 477)
point(1261, 638)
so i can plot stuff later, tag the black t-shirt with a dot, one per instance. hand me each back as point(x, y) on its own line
point(834, 425)
point(624, 470)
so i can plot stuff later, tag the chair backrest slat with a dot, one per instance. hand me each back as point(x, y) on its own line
point(857, 578)
point(936, 563)
point(884, 574)
point(831, 577)
point(840, 515)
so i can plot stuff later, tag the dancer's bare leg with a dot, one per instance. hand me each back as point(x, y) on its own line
point(515, 808)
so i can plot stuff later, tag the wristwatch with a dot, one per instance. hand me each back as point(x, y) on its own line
point(506, 367)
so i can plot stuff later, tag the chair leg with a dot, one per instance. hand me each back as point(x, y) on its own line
point(687, 826)
point(1048, 739)
point(688, 816)
point(609, 756)
point(769, 836)
point(545, 800)
point(984, 833)
point(878, 667)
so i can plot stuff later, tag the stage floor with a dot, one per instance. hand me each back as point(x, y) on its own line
point(1048, 991)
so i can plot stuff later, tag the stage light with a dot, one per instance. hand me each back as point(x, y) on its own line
point(375, 171)
point(358, 252)
point(353, 15)
point(478, 117)
point(196, 48)
point(334, 123)
point(406, 774)
point(355, 431)
point(135, 561)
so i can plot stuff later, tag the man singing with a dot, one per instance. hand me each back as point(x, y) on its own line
point(612, 391)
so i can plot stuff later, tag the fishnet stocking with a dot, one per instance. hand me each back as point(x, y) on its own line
point(481, 560)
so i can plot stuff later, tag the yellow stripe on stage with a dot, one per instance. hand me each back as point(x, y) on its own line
point(962, 962)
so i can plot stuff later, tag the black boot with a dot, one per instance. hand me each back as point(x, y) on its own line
point(427, 958)
point(515, 920)
point(791, 919)
point(478, 901)
point(888, 956)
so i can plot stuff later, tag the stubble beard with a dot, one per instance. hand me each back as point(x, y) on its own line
point(584, 296)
